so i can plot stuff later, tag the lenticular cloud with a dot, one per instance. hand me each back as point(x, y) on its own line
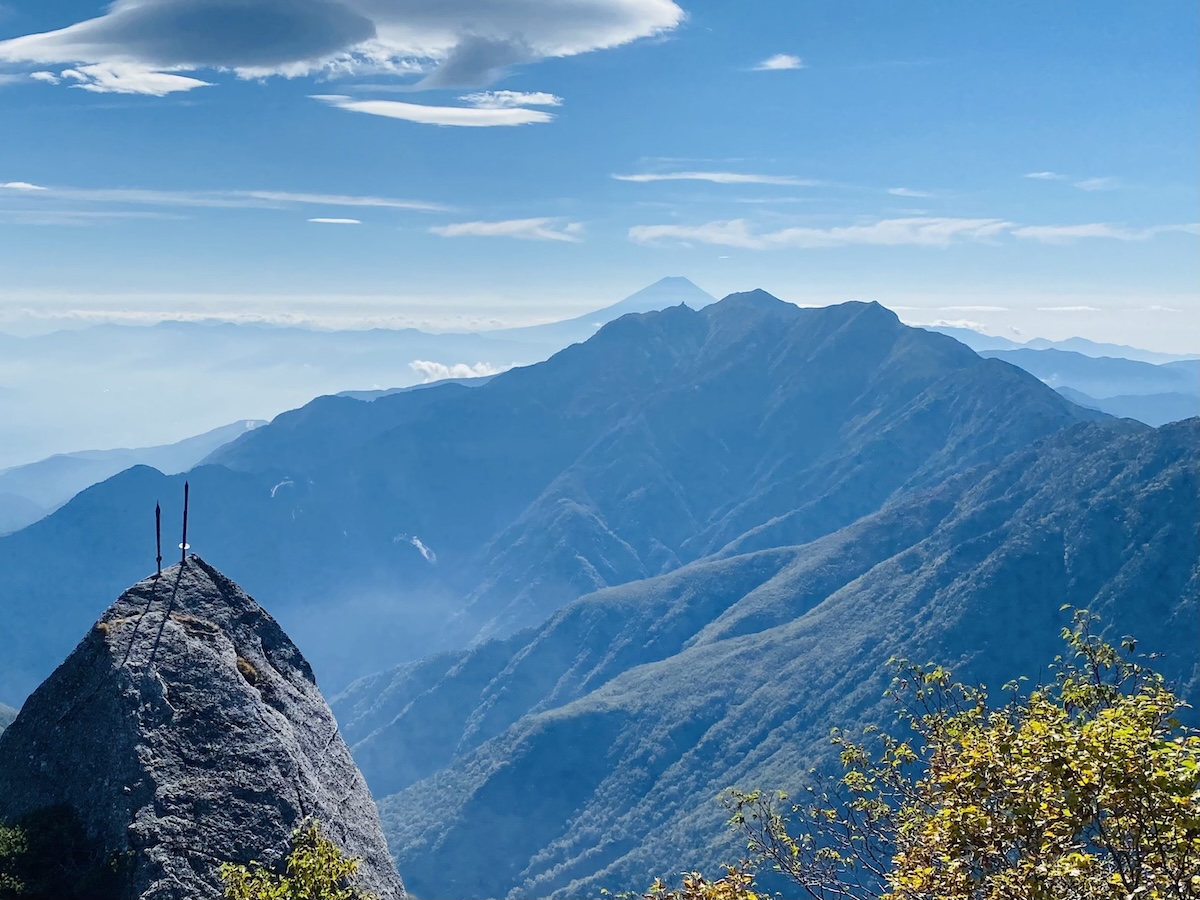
point(460, 43)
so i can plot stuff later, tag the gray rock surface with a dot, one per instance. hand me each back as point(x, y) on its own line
point(7, 714)
point(188, 729)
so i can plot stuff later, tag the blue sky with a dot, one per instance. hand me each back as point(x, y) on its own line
point(1029, 167)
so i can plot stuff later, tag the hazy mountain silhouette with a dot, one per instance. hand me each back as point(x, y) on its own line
point(979, 341)
point(664, 293)
point(29, 492)
point(97, 386)
point(1104, 377)
point(1153, 409)
point(631, 708)
point(666, 438)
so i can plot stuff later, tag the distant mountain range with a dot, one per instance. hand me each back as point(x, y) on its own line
point(127, 385)
point(7, 714)
point(29, 492)
point(978, 341)
point(1155, 388)
point(665, 438)
point(596, 590)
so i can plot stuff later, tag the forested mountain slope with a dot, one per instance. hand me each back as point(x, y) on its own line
point(631, 708)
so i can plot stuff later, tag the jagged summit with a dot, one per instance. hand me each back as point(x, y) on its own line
point(186, 729)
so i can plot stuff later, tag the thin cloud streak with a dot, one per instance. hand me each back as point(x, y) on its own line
point(927, 231)
point(227, 199)
point(458, 116)
point(720, 178)
point(544, 229)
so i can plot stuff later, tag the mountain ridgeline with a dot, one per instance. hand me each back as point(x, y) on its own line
point(583, 597)
point(666, 438)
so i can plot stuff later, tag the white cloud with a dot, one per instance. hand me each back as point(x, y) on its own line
point(430, 556)
point(122, 78)
point(47, 77)
point(928, 232)
point(436, 371)
point(908, 192)
point(720, 178)
point(974, 308)
point(960, 323)
point(1046, 176)
point(214, 199)
point(462, 116)
point(1097, 184)
point(527, 229)
point(780, 62)
point(1068, 309)
point(255, 38)
point(336, 221)
point(510, 99)
point(1061, 234)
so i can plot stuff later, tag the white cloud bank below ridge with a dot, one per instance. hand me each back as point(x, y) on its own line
point(436, 371)
point(544, 229)
point(257, 38)
point(915, 231)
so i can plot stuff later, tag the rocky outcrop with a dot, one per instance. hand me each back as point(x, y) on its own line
point(187, 730)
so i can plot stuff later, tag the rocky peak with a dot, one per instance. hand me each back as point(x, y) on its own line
point(187, 730)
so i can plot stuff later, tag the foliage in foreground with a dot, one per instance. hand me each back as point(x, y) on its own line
point(1087, 788)
point(317, 869)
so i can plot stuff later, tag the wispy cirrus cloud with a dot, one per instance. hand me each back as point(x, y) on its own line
point(1059, 234)
point(327, 221)
point(908, 192)
point(542, 229)
point(465, 43)
point(1105, 183)
point(926, 231)
point(1097, 184)
point(720, 178)
point(45, 198)
point(456, 116)
point(780, 62)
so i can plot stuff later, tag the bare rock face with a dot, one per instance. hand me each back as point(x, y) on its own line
point(187, 730)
